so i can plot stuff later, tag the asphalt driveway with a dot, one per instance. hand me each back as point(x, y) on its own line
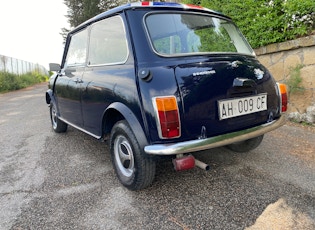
point(66, 181)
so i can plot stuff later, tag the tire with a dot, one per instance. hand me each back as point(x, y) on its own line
point(133, 168)
point(57, 125)
point(245, 146)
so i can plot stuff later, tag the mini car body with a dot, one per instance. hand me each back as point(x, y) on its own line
point(159, 79)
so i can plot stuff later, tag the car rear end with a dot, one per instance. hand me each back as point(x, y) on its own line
point(201, 85)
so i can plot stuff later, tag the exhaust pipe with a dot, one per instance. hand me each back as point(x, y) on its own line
point(188, 162)
point(183, 162)
point(202, 165)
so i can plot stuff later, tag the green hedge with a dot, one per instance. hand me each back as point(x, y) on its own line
point(9, 81)
point(266, 22)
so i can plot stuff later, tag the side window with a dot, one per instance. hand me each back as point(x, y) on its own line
point(108, 43)
point(76, 55)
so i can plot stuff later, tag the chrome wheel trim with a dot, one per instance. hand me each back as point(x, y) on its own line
point(124, 156)
point(54, 117)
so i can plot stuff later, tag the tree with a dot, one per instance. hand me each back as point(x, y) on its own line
point(109, 4)
point(81, 10)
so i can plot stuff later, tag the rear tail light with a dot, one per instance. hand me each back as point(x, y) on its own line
point(168, 122)
point(283, 96)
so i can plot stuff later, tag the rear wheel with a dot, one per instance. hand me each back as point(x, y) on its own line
point(57, 125)
point(247, 145)
point(134, 169)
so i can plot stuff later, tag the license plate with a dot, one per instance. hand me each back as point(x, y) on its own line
point(241, 106)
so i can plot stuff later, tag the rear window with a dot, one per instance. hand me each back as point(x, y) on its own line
point(108, 42)
point(174, 34)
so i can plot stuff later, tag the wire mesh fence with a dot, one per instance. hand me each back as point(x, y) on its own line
point(17, 66)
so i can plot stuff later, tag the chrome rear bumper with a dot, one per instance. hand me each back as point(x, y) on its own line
point(213, 142)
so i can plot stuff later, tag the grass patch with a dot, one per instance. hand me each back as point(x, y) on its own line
point(295, 79)
point(10, 82)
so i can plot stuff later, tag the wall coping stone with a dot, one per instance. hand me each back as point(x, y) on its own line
point(287, 45)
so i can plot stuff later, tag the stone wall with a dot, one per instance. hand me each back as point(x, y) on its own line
point(282, 57)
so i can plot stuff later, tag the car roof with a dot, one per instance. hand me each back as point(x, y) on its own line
point(148, 5)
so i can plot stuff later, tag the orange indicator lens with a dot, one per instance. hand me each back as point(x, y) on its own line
point(284, 97)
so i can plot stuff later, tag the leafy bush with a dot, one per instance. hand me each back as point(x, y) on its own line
point(9, 81)
point(265, 22)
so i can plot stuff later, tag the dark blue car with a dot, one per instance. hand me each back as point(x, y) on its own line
point(163, 79)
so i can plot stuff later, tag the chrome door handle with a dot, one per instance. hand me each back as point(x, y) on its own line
point(78, 80)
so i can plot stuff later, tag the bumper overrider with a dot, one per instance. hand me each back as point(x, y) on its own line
point(213, 142)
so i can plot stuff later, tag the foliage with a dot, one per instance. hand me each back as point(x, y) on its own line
point(262, 21)
point(265, 22)
point(81, 10)
point(294, 81)
point(9, 81)
point(214, 41)
point(109, 4)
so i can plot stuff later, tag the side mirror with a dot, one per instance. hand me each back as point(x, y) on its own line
point(54, 67)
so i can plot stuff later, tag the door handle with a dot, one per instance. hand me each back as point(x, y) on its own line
point(77, 80)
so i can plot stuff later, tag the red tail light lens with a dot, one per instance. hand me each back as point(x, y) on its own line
point(283, 96)
point(167, 116)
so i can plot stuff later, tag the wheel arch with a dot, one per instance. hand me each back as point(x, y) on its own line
point(118, 111)
point(49, 96)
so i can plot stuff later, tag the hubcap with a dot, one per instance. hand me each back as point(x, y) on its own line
point(54, 117)
point(124, 156)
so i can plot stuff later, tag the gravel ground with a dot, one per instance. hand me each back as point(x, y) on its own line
point(66, 181)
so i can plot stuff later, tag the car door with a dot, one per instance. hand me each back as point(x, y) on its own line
point(69, 83)
point(107, 72)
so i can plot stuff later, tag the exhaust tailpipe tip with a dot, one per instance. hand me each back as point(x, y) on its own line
point(202, 165)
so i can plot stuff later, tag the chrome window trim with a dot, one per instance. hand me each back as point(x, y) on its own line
point(126, 40)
